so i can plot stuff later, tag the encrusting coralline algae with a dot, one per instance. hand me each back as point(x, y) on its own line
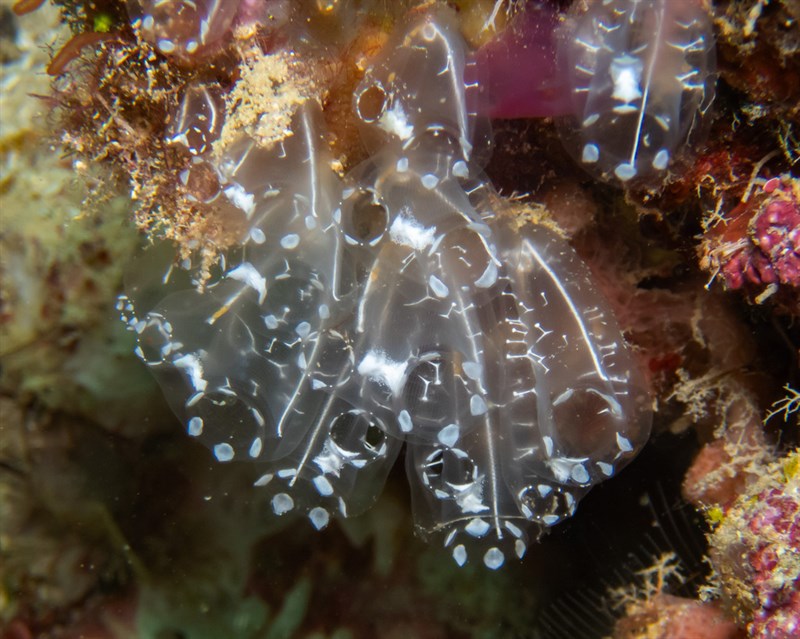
point(399, 304)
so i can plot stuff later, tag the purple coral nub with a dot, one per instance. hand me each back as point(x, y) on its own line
point(771, 253)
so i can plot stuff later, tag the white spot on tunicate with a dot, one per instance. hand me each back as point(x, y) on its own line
point(591, 153)
point(544, 489)
point(408, 232)
point(323, 486)
point(494, 558)
point(579, 474)
point(514, 530)
point(625, 171)
point(562, 466)
point(549, 520)
point(383, 370)
point(402, 165)
point(282, 503)
point(477, 405)
point(249, 275)
point(450, 537)
point(589, 121)
point(191, 46)
point(489, 276)
point(148, 22)
point(624, 444)
point(257, 235)
point(613, 405)
point(316, 384)
point(472, 370)
point(331, 462)
point(438, 287)
point(477, 527)
point(606, 469)
point(257, 416)
point(460, 169)
point(271, 322)
point(290, 241)
point(166, 46)
point(223, 452)
point(194, 368)
point(240, 198)
point(404, 419)
point(520, 548)
point(661, 160)
point(460, 554)
point(324, 311)
point(548, 445)
point(195, 428)
point(396, 122)
point(429, 181)
point(311, 222)
point(255, 447)
point(287, 472)
point(301, 361)
point(563, 397)
point(449, 435)
point(626, 72)
point(303, 329)
point(263, 480)
point(319, 517)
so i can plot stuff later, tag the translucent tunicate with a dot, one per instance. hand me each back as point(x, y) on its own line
point(642, 77)
point(399, 305)
point(184, 28)
point(197, 123)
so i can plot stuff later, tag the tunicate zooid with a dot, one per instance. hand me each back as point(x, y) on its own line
point(642, 78)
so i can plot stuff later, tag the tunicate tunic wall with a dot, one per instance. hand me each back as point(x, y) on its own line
point(399, 305)
point(642, 77)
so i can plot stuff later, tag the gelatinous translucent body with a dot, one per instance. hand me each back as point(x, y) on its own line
point(642, 74)
point(197, 123)
point(184, 28)
point(391, 106)
point(398, 305)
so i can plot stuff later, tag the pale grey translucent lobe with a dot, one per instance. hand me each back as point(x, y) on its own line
point(398, 305)
point(642, 76)
point(423, 86)
point(252, 362)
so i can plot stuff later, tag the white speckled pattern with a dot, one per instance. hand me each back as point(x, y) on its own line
point(397, 306)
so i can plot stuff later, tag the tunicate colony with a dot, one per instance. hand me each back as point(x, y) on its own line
point(400, 305)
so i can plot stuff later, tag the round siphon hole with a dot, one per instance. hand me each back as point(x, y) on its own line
point(587, 423)
point(371, 103)
point(445, 469)
point(367, 220)
point(374, 437)
point(357, 434)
